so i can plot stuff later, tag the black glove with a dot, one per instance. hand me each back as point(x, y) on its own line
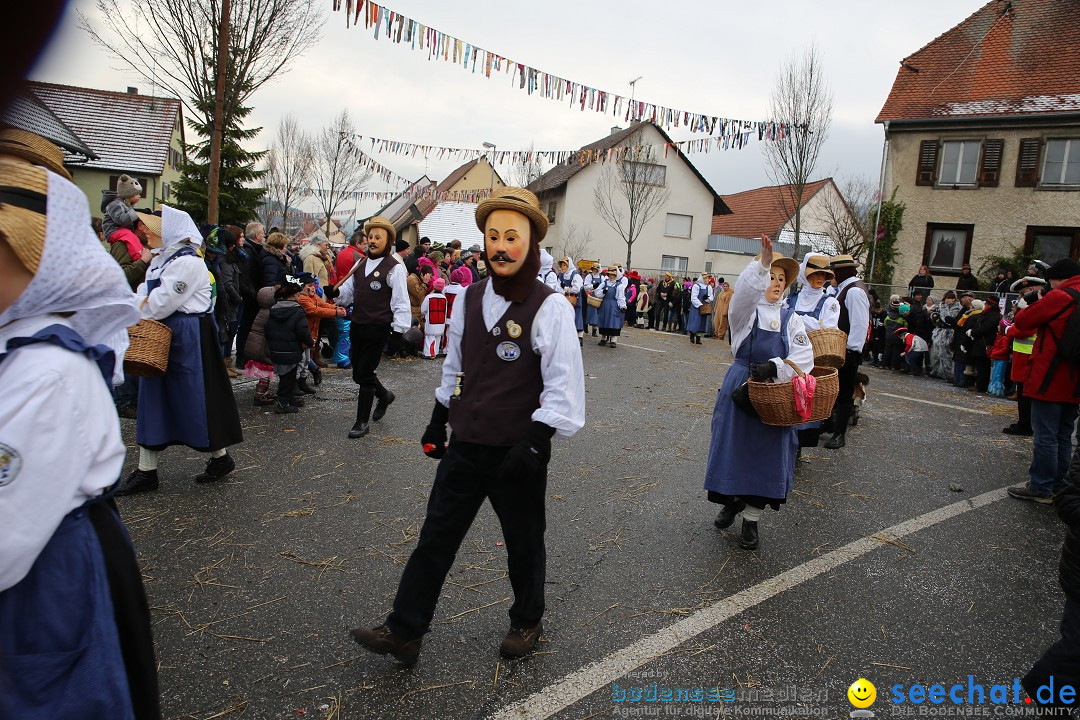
point(763, 371)
point(529, 455)
point(330, 292)
point(433, 441)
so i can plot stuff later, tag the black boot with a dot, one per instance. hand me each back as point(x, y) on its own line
point(727, 515)
point(139, 481)
point(693, 338)
point(594, 331)
point(603, 340)
point(303, 386)
point(841, 415)
point(363, 413)
point(217, 468)
point(316, 375)
point(749, 538)
point(385, 399)
point(284, 406)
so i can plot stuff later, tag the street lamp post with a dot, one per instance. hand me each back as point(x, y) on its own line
point(491, 163)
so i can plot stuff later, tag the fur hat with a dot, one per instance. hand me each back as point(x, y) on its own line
point(127, 187)
point(381, 222)
point(516, 199)
point(1063, 269)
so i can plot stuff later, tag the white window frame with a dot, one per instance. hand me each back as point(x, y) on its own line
point(667, 225)
point(966, 146)
point(1072, 148)
point(674, 264)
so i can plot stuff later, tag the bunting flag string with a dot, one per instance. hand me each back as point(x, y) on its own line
point(400, 29)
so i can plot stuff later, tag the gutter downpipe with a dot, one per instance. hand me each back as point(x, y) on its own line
point(881, 190)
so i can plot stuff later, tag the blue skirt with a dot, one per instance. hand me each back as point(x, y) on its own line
point(579, 311)
point(610, 317)
point(748, 457)
point(696, 322)
point(592, 315)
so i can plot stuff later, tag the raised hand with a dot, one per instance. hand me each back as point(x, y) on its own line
point(766, 252)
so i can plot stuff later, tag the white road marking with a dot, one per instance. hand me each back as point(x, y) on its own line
point(580, 684)
point(618, 345)
point(931, 402)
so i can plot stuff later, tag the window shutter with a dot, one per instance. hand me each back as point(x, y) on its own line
point(928, 152)
point(1027, 164)
point(990, 167)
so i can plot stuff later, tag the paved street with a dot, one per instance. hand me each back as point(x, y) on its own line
point(254, 582)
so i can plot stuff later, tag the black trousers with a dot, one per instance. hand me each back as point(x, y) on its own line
point(286, 390)
point(846, 377)
point(366, 346)
point(1060, 664)
point(247, 317)
point(467, 474)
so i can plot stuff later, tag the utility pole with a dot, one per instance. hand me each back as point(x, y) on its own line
point(219, 120)
point(633, 105)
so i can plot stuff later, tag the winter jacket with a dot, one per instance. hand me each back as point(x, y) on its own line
point(134, 270)
point(967, 282)
point(914, 343)
point(920, 281)
point(893, 322)
point(118, 214)
point(347, 258)
point(274, 266)
point(983, 329)
point(417, 291)
point(1020, 360)
point(1048, 317)
point(316, 309)
point(287, 332)
point(251, 273)
point(919, 323)
point(129, 240)
point(256, 348)
point(314, 264)
point(1067, 504)
point(229, 289)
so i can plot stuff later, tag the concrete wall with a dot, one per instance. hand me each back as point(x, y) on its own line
point(1001, 215)
point(688, 197)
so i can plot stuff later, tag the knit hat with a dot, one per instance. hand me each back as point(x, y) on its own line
point(290, 285)
point(977, 305)
point(1063, 269)
point(461, 276)
point(33, 148)
point(516, 199)
point(894, 301)
point(438, 284)
point(381, 222)
point(401, 244)
point(904, 309)
point(127, 187)
point(901, 331)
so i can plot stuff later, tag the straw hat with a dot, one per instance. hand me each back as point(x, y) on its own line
point(33, 148)
point(818, 264)
point(151, 221)
point(380, 222)
point(788, 265)
point(23, 202)
point(843, 261)
point(516, 199)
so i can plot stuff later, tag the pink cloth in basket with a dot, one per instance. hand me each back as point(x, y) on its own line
point(804, 388)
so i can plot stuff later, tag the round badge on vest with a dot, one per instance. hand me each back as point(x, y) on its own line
point(376, 273)
point(508, 351)
point(775, 324)
point(375, 285)
point(496, 331)
point(513, 329)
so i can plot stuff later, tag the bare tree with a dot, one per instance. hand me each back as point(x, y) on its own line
point(176, 45)
point(846, 216)
point(630, 192)
point(574, 243)
point(337, 172)
point(289, 165)
point(527, 169)
point(802, 101)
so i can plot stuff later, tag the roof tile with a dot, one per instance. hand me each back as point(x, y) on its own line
point(761, 211)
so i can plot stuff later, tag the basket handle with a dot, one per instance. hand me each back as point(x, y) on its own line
point(796, 368)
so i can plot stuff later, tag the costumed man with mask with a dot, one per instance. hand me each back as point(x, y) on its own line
point(512, 378)
point(855, 321)
point(377, 288)
point(192, 404)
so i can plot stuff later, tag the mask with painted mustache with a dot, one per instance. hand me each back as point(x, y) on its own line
point(501, 257)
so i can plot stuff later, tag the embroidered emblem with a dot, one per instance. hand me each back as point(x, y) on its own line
point(10, 462)
point(513, 329)
point(508, 351)
point(801, 339)
point(375, 285)
point(775, 324)
point(496, 331)
point(179, 287)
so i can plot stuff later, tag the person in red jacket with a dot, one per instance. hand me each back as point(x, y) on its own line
point(1052, 383)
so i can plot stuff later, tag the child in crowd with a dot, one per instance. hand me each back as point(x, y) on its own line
point(316, 309)
point(120, 212)
point(287, 334)
point(259, 365)
point(433, 311)
point(914, 350)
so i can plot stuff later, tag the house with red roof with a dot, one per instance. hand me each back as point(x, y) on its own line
point(983, 133)
point(770, 210)
point(128, 133)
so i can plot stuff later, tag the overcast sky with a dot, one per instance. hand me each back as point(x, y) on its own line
point(716, 57)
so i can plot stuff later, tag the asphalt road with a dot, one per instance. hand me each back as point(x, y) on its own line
point(255, 581)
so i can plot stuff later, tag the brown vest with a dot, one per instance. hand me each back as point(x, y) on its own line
point(501, 382)
point(372, 293)
point(844, 323)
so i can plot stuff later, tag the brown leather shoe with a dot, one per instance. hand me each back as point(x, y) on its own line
point(381, 641)
point(520, 641)
point(319, 362)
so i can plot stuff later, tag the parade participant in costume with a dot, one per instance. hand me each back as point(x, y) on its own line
point(700, 294)
point(548, 275)
point(941, 362)
point(751, 465)
point(460, 279)
point(75, 634)
point(434, 311)
point(380, 297)
point(644, 304)
point(572, 283)
point(192, 404)
point(590, 282)
point(855, 321)
point(818, 310)
point(720, 310)
point(512, 378)
point(610, 315)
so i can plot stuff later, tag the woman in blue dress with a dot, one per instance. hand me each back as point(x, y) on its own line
point(700, 294)
point(751, 464)
point(610, 316)
point(589, 283)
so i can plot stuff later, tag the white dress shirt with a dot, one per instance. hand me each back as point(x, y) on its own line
point(695, 294)
point(748, 299)
point(807, 300)
point(576, 283)
point(858, 307)
point(59, 442)
point(619, 287)
point(399, 296)
point(553, 337)
point(185, 287)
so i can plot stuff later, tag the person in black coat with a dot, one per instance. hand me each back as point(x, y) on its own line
point(1060, 664)
point(922, 280)
point(250, 253)
point(966, 281)
point(919, 320)
point(982, 330)
point(287, 334)
point(274, 262)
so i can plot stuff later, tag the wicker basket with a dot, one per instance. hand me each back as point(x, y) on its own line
point(594, 301)
point(775, 402)
point(148, 353)
point(705, 309)
point(830, 347)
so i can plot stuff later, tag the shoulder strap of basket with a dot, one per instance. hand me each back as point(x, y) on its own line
point(66, 338)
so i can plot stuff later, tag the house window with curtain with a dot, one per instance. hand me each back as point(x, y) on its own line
point(959, 163)
point(678, 225)
point(1051, 244)
point(948, 247)
point(672, 264)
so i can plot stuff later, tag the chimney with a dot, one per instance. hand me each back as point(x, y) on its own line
point(615, 129)
point(132, 90)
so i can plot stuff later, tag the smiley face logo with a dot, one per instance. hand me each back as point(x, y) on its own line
point(862, 693)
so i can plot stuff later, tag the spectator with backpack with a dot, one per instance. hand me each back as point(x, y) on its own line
point(1053, 379)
